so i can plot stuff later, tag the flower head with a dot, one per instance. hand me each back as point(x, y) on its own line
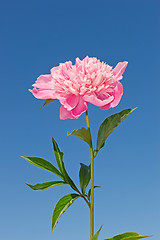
point(89, 80)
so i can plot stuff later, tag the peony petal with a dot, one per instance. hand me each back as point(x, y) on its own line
point(80, 108)
point(43, 93)
point(64, 113)
point(97, 101)
point(117, 95)
point(105, 107)
point(44, 82)
point(74, 113)
point(69, 101)
point(119, 70)
point(118, 92)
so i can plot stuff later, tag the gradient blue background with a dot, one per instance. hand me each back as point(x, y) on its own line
point(37, 35)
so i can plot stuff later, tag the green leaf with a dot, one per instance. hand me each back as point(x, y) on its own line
point(127, 236)
point(59, 159)
point(46, 185)
point(84, 176)
point(89, 192)
point(95, 237)
point(47, 102)
point(83, 134)
point(109, 124)
point(61, 206)
point(44, 164)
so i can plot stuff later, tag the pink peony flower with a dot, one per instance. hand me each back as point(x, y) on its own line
point(89, 80)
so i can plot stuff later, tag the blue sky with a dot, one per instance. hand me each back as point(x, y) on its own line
point(37, 35)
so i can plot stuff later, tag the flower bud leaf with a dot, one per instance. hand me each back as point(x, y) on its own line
point(83, 134)
point(44, 164)
point(127, 236)
point(108, 125)
point(47, 102)
point(59, 159)
point(95, 237)
point(45, 185)
point(84, 176)
point(61, 206)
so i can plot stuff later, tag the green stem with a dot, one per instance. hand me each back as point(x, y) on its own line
point(88, 203)
point(92, 181)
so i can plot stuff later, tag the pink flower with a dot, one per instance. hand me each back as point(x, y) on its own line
point(74, 86)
